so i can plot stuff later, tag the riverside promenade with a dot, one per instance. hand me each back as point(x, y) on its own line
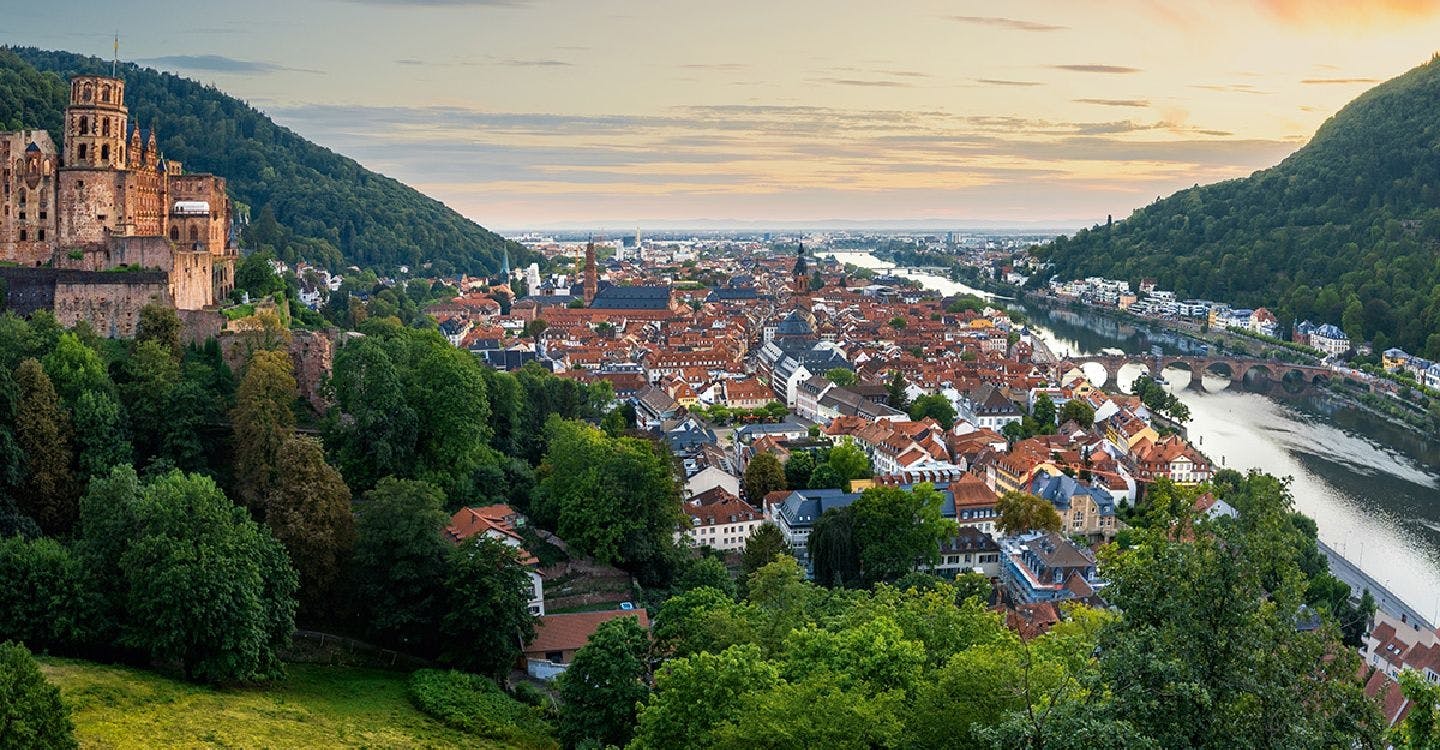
point(1385, 600)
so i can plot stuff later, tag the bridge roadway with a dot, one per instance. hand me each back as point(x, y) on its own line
point(1236, 368)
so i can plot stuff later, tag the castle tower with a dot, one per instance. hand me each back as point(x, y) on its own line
point(592, 279)
point(95, 123)
point(799, 278)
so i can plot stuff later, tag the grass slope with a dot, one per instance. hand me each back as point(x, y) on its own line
point(317, 707)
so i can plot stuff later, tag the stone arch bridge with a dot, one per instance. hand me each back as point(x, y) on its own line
point(1234, 368)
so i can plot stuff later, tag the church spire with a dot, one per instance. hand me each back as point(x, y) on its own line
point(800, 280)
point(592, 277)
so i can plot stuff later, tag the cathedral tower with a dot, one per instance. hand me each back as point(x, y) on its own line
point(592, 278)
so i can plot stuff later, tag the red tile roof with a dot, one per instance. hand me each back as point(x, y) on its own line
point(571, 631)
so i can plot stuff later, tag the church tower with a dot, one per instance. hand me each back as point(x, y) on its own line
point(592, 278)
point(799, 279)
point(95, 123)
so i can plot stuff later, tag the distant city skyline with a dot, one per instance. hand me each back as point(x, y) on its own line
point(617, 113)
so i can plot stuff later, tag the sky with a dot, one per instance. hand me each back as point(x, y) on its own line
point(579, 113)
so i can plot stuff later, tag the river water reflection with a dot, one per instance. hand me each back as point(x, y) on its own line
point(1372, 487)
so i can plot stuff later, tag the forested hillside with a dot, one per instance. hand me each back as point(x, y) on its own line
point(1345, 230)
point(329, 209)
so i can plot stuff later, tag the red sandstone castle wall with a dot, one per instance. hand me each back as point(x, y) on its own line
point(113, 310)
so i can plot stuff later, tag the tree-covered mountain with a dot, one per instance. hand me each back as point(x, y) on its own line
point(329, 209)
point(1345, 230)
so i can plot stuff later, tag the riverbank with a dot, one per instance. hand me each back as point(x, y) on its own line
point(1387, 406)
point(1369, 484)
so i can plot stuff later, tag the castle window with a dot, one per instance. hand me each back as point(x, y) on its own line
point(194, 234)
point(105, 152)
point(105, 94)
point(105, 126)
point(42, 235)
point(22, 235)
point(87, 93)
point(175, 233)
point(84, 126)
point(81, 152)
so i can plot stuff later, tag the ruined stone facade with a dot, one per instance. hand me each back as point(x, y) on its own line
point(109, 302)
point(27, 222)
point(105, 200)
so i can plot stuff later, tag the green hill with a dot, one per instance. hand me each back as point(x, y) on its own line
point(330, 209)
point(1346, 230)
point(315, 707)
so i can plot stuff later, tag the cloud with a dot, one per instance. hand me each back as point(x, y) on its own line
point(540, 63)
point(904, 73)
point(1314, 81)
point(695, 158)
point(1010, 24)
point(1096, 68)
point(864, 83)
point(731, 67)
point(218, 64)
point(1115, 102)
point(1001, 82)
point(408, 61)
point(1236, 88)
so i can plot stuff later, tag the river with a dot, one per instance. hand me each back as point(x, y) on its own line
point(1372, 487)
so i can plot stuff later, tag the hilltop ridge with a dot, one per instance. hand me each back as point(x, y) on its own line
point(1345, 230)
point(327, 208)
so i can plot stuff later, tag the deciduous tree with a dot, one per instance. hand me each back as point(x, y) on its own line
point(600, 690)
point(798, 468)
point(763, 475)
point(205, 586)
point(263, 420)
point(935, 406)
point(400, 562)
point(32, 716)
point(849, 463)
point(763, 545)
point(309, 512)
point(613, 498)
point(1021, 512)
point(159, 323)
point(487, 620)
point(896, 530)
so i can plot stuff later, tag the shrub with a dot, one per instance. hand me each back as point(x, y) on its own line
point(478, 706)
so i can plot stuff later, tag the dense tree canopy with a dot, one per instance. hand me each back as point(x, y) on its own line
point(613, 498)
point(1021, 512)
point(400, 562)
point(196, 580)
